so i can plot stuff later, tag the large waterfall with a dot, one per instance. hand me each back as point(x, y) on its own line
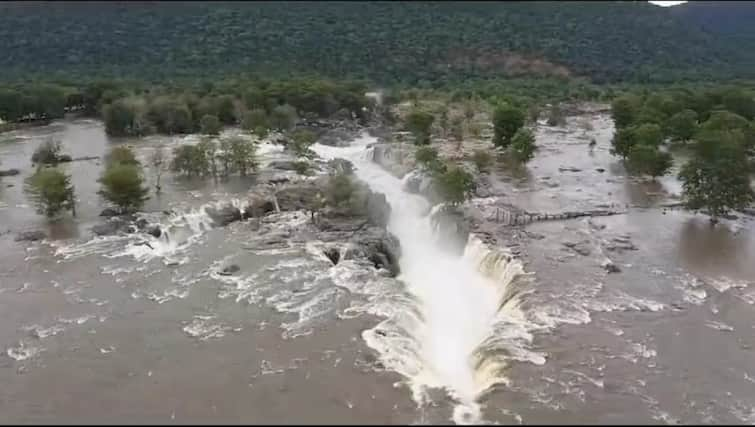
point(462, 321)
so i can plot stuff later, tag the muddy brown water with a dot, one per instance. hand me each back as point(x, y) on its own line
point(89, 335)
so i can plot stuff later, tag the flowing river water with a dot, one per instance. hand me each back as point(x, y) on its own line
point(105, 329)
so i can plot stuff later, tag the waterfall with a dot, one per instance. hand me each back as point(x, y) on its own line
point(449, 333)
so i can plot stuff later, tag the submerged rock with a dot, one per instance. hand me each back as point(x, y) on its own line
point(9, 172)
point(155, 231)
point(610, 267)
point(30, 236)
point(224, 215)
point(258, 207)
point(229, 270)
point(109, 212)
point(333, 254)
point(112, 226)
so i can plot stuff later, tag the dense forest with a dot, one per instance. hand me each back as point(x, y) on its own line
point(422, 44)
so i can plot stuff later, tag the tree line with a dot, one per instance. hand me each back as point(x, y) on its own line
point(715, 124)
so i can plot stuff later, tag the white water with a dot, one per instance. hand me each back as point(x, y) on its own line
point(460, 300)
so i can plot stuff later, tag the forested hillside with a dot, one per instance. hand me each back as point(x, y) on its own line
point(417, 43)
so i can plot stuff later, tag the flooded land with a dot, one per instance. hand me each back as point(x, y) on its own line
point(643, 315)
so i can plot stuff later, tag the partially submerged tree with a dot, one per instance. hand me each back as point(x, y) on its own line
point(122, 185)
point(121, 154)
point(507, 120)
point(283, 118)
point(243, 155)
point(482, 160)
point(649, 160)
point(427, 158)
point(300, 140)
point(190, 160)
point(48, 153)
point(454, 185)
point(157, 160)
point(682, 125)
point(717, 178)
point(419, 124)
point(254, 119)
point(210, 125)
point(51, 192)
point(523, 145)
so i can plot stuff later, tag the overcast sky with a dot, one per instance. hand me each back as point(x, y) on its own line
point(667, 3)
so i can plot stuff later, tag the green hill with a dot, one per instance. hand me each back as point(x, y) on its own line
point(419, 43)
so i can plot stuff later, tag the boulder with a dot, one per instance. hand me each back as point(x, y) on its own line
point(378, 246)
point(64, 158)
point(224, 215)
point(341, 166)
point(109, 212)
point(141, 223)
point(154, 231)
point(229, 270)
point(378, 209)
point(333, 254)
point(9, 172)
point(610, 267)
point(302, 195)
point(258, 207)
point(580, 248)
point(286, 165)
point(112, 226)
point(30, 236)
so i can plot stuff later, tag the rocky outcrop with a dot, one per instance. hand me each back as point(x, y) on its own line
point(224, 215)
point(114, 225)
point(30, 236)
point(392, 157)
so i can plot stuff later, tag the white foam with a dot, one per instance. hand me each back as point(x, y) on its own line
point(23, 351)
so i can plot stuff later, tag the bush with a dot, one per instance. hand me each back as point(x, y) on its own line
point(419, 124)
point(254, 119)
point(210, 125)
point(507, 120)
point(190, 160)
point(283, 118)
point(122, 185)
point(300, 141)
point(48, 153)
point(523, 145)
point(482, 160)
point(427, 158)
point(455, 185)
point(122, 155)
point(51, 192)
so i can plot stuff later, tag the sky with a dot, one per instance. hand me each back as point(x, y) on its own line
point(667, 3)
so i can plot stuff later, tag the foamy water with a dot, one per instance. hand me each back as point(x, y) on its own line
point(451, 334)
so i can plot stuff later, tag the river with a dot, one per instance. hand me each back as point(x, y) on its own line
point(104, 330)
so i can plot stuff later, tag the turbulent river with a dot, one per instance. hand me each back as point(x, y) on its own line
point(104, 329)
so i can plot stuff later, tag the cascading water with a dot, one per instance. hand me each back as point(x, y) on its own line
point(449, 335)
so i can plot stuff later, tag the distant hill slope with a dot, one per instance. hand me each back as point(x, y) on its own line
point(387, 42)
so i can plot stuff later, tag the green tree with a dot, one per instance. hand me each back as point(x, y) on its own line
point(122, 185)
point(207, 150)
point(419, 124)
point(523, 145)
point(507, 120)
point(283, 118)
point(717, 177)
point(226, 110)
point(428, 159)
point(648, 134)
point(190, 160)
point(254, 119)
point(648, 160)
point(622, 142)
point(210, 125)
point(243, 155)
point(301, 140)
point(682, 125)
point(454, 185)
point(739, 102)
point(51, 192)
point(624, 110)
point(121, 154)
point(119, 118)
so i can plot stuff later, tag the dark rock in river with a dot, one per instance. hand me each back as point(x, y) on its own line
point(155, 231)
point(258, 207)
point(610, 267)
point(569, 169)
point(378, 209)
point(379, 247)
point(141, 223)
point(229, 270)
point(224, 215)
point(109, 212)
point(112, 226)
point(30, 236)
point(580, 248)
point(9, 172)
point(64, 158)
point(333, 254)
point(286, 165)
